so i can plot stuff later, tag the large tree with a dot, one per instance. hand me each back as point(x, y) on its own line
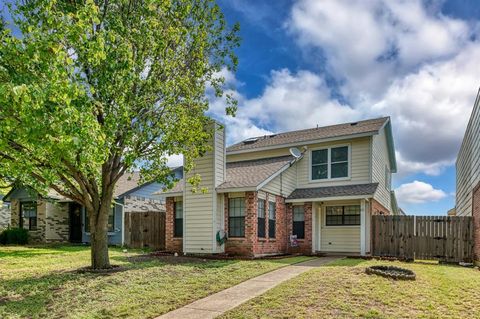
point(93, 89)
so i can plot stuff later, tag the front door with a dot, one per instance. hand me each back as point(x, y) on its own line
point(75, 216)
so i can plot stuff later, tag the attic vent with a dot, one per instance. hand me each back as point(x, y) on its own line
point(250, 140)
point(354, 123)
point(273, 135)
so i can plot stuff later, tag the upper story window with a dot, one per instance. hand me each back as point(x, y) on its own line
point(330, 163)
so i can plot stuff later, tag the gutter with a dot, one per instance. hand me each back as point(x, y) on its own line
point(324, 199)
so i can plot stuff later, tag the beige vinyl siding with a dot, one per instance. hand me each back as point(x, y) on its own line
point(468, 164)
point(200, 209)
point(284, 184)
point(344, 239)
point(220, 165)
point(380, 160)
point(359, 164)
point(338, 238)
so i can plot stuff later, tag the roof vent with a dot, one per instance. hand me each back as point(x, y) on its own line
point(250, 140)
point(273, 135)
point(354, 123)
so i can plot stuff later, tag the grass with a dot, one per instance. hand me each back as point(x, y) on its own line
point(343, 290)
point(41, 282)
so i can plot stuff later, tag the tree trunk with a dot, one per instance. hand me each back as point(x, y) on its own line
point(99, 238)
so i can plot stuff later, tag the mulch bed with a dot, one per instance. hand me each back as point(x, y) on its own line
point(111, 270)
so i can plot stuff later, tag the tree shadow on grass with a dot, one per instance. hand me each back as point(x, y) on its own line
point(32, 296)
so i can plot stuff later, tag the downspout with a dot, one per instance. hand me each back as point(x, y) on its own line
point(123, 221)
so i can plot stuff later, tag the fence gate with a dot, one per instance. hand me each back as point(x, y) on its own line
point(445, 238)
point(145, 229)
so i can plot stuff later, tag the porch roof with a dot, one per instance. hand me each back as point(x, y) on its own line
point(328, 192)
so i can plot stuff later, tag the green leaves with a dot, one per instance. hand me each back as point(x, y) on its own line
point(93, 89)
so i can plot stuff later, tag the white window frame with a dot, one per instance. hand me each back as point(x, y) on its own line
point(329, 164)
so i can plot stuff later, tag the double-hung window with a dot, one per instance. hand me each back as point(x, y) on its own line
point(111, 221)
point(299, 222)
point(261, 218)
point(342, 215)
point(271, 219)
point(330, 163)
point(28, 215)
point(178, 219)
point(236, 217)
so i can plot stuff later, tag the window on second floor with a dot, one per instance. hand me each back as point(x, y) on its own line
point(330, 163)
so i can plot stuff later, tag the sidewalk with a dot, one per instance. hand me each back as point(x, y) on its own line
point(220, 302)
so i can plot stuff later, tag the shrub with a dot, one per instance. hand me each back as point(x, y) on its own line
point(14, 236)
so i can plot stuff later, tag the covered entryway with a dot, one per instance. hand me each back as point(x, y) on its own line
point(75, 223)
point(340, 226)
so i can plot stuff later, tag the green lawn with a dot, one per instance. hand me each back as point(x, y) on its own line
point(41, 282)
point(343, 290)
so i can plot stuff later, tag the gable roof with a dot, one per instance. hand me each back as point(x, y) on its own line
point(245, 174)
point(310, 135)
point(333, 191)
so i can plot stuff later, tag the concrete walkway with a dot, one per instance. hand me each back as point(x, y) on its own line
point(220, 302)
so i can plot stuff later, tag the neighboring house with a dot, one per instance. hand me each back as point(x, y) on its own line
point(4, 214)
point(55, 218)
point(452, 212)
point(261, 195)
point(468, 166)
point(468, 174)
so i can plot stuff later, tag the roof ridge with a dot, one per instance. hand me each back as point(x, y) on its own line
point(307, 130)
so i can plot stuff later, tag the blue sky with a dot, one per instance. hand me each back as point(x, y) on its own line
point(307, 62)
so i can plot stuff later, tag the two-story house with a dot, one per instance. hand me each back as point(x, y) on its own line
point(306, 191)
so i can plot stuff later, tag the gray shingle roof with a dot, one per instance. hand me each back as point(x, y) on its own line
point(334, 191)
point(246, 174)
point(366, 126)
point(253, 173)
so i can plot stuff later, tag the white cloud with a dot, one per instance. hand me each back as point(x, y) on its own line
point(399, 58)
point(175, 160)
point(289, 101)
point(418, 192)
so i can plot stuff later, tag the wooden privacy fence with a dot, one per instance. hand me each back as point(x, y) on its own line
point(442, 238)
point(145, 229)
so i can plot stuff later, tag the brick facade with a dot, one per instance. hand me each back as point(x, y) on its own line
point(378, 209)
point(38, 235)
point(250, 244)
point(476, 222)
point(172, 243)
point(304, 245)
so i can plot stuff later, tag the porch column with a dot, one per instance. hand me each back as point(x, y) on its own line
point(362, 227)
